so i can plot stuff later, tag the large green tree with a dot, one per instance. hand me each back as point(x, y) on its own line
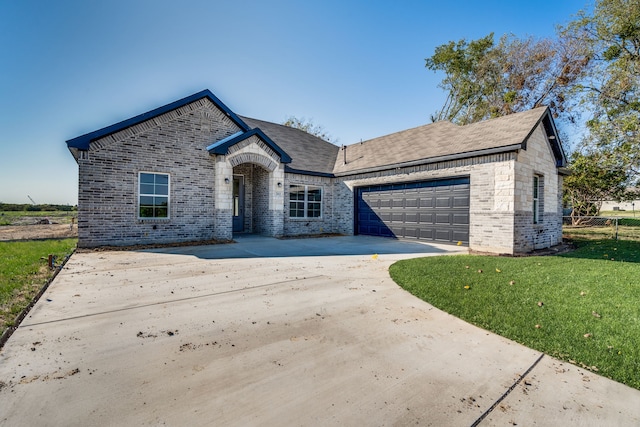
point(595, 177)
point(484, 79)
point(610, 86)
point(590, 70)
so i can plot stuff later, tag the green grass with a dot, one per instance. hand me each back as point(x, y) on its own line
point(592, 291)
point(629, 213)
point(23, 272)
point(628, 229)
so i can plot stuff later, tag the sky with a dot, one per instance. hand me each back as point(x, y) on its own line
point(356, 68)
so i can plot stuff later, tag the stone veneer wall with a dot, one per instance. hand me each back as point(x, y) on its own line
point(266, 202)
point(173, 143)
point(501, 210)
point(537, 159)
point(492, 192)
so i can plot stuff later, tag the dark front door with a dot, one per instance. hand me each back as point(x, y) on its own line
point(238, 204)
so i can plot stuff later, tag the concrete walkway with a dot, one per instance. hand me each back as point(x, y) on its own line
point(277, 332)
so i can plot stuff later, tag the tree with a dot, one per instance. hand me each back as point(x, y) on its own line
point(595, 177)
point(308, 126)
point(465, 80)
point(610, 85)
point(486, 80)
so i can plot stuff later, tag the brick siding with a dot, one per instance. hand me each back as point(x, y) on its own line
point(173, 143)
point(201, 191)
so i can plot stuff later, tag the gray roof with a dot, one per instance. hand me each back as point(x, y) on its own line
point(308, 153)
point(441, 141)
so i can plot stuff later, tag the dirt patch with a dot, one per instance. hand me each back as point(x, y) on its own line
point(37, 231)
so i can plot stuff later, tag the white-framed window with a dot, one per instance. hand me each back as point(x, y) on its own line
point(305, 201)
point(536, 198)
point(153, 195)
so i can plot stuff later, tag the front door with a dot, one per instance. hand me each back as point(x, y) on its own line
point(238, 203)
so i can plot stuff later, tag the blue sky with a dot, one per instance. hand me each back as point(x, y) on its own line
point(354, 67)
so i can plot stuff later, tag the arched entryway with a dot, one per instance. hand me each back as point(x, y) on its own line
point(257, 201)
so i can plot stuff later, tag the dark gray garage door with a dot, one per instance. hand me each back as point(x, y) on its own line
point(426, 210)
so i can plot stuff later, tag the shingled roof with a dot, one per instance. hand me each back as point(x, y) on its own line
point(442, 141)
point(308, 153)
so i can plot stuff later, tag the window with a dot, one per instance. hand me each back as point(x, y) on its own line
point(305, 201)
point(153, 195)
point(536, 199)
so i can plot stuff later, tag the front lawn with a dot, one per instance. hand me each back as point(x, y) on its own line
point(582, 307)
point(24, 271)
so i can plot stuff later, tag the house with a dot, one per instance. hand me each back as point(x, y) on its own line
point(627, 205)
point(194, 170)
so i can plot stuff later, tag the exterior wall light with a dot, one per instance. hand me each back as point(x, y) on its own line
point(226, 180)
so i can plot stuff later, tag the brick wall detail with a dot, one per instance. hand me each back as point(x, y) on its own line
point(201, 189)
point(173, 143)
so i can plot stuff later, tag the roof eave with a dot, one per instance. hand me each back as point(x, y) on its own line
point(82, 142)
point(552, 136)
point(554, 140)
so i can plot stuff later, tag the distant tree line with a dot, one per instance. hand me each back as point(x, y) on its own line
point(14, 207)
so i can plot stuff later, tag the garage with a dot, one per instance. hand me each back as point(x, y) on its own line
point(435, 211)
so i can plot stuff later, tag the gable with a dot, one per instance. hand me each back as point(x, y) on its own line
point(222, 147)
point(151, 118)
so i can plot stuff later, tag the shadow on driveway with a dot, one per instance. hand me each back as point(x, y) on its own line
point(255, 246)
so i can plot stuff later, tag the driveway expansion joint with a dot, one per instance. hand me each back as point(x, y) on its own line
point(506, 393)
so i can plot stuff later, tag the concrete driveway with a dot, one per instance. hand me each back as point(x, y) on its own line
point(276, 332)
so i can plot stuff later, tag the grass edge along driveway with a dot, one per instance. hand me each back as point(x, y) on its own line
point(582, 307)
point(24, 271)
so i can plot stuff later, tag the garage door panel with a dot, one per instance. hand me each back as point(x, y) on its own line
point(461, 201)
point(443, 219)
point(427, 233)
point(411, 217)
point(427, 217)
point(443, 235)
point(411, 202)
point(411, 233)
point(426, 210)
point(427, 202)
point(460, 236)
point(460, 219)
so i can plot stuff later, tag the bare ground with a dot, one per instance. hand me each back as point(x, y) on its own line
point(37, 231)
